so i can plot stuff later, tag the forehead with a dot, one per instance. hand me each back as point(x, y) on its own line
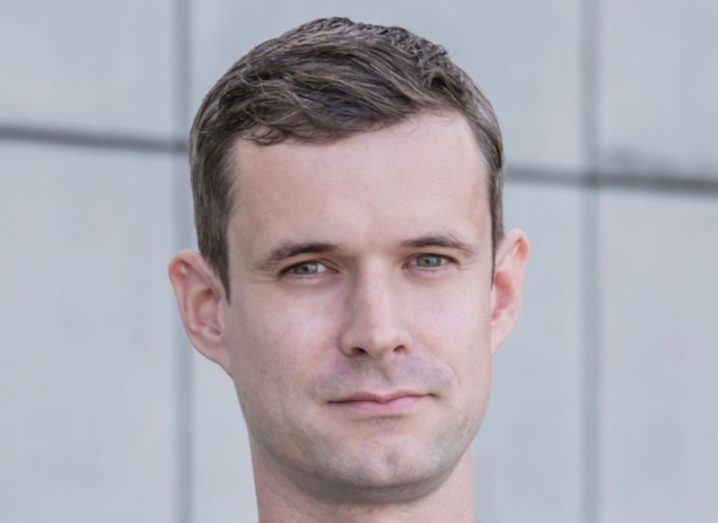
point(422, 175)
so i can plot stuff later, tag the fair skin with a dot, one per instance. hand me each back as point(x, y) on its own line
point(364, 317)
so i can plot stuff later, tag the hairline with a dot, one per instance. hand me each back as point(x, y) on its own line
point(231, 170)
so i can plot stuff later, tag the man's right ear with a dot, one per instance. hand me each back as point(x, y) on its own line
point(199, 296)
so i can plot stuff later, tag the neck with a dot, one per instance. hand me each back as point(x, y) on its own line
point(280, 501)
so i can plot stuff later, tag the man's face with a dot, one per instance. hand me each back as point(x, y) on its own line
point(361, 272)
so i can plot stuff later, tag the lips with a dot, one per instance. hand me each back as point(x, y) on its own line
point(392, 403)
point(376, 397)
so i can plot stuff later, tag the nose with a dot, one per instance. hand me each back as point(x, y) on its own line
point(374, 326)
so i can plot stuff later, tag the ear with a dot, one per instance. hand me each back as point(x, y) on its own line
point(507, 285)
point(199, 296)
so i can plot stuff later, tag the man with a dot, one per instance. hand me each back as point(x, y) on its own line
point(354, 279)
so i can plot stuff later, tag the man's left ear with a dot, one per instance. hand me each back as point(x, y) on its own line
point(507, 285)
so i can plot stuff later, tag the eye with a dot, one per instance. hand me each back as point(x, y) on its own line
point(430, 261)
point(308, 268)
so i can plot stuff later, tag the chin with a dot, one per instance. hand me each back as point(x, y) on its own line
point(385, 472)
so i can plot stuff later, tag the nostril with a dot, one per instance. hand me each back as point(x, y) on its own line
point(400, 349)
point(358, 351)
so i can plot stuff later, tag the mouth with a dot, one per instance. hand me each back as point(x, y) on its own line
point(400, 402)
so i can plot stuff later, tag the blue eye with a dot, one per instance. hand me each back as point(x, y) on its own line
point(429, 261)
point(307, 268)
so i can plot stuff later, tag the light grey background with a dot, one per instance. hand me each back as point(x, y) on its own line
point(603, 407)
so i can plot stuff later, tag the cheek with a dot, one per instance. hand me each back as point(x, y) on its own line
point(275, 343)
point(454, 327)
point(456, 319)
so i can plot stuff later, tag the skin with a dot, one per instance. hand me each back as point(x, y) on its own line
point(395, 294)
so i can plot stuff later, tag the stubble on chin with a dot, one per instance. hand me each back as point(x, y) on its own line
point(350, 464)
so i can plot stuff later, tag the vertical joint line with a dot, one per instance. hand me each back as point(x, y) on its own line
point(184, 458)
point(590, 75)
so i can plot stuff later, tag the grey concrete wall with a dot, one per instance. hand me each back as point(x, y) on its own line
point(604, 401)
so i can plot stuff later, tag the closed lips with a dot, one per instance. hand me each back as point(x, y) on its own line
point(378, 398)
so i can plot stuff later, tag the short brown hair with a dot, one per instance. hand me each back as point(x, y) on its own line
point(322, 81)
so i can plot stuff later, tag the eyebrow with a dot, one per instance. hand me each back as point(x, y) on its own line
point(447, 241)
point(290, 249)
